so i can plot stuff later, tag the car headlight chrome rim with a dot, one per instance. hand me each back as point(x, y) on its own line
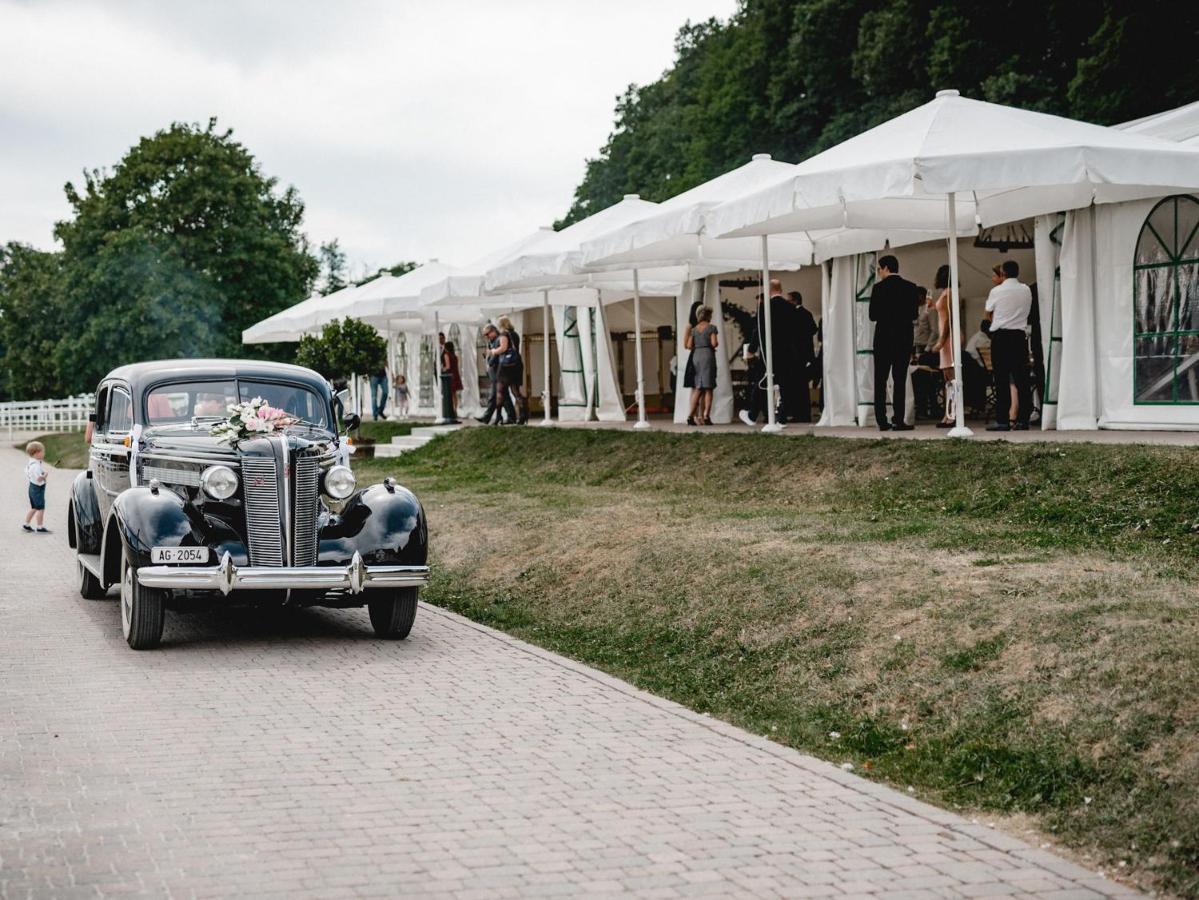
point(218, 482)
point(340, 482)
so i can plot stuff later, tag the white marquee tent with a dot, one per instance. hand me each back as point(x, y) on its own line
point(1008, 164)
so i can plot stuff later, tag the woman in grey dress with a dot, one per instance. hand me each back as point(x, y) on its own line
point(702, 340)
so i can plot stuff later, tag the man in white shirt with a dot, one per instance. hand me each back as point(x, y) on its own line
point(1008, 306)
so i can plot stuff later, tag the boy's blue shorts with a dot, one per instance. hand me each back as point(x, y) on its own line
point(37, 496)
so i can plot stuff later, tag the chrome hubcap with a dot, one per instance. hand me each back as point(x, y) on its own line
point(127, 600)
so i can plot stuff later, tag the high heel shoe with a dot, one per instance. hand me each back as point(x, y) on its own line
point(691, 420)
point(707, 421)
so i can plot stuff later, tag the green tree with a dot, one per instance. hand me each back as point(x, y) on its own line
point(174, 252)
point(793, 77)
point(333, 267)
point(31, 310)
point(345, 347)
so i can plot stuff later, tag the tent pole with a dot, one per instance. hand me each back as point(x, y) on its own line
point(955, 323)
point(771, 426)
point(546, 394)
point(641, 424)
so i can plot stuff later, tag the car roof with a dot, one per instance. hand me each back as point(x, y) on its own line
point(139, 375)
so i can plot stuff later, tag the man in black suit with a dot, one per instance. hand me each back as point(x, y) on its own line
point(797, 395)
point(894, 305)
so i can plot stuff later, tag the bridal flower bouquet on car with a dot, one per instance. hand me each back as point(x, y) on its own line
point(251, 419)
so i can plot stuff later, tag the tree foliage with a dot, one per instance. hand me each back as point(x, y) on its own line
point(334, 267)
point(172, 253)
point(793, 77)
point(345, 347)
point(32, 307)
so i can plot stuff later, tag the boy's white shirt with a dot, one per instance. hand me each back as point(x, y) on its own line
point(35, 471)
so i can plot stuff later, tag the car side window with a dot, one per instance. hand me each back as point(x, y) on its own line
point(120, 412)
point(101, 410)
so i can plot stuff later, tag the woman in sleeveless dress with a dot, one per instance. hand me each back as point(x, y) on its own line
point(943, 345)
point(702, 340)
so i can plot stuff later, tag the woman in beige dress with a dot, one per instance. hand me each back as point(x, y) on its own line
point(943, 345)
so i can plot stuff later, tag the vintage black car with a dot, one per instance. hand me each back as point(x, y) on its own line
point(175, 516)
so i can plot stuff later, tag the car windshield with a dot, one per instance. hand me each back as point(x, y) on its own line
point(183, 401)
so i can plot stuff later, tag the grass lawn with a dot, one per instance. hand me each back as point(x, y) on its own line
point(64, 450)
point(1002, 628)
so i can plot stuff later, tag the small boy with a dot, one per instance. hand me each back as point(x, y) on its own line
point(35, 472)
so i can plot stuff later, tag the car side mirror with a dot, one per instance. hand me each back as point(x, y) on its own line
point(351, 421)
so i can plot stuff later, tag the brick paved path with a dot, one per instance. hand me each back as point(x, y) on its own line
point(295, 755)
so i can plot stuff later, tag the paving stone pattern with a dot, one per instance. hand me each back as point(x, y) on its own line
point(295, 755)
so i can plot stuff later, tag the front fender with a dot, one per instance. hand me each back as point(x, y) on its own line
point(144, 519)
point(384, 525)
point(85, 529)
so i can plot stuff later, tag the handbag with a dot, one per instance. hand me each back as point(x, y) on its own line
point(511, 356)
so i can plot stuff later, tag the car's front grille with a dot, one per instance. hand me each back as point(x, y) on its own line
point(188, 476)
point(307, 487)
point(263, 527)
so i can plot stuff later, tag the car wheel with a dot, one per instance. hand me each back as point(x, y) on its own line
point(141, 609)
point(393, 612)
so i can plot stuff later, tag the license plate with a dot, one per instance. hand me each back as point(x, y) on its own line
point(179, 555)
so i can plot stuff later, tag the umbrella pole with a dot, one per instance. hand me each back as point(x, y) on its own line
point(641, 424)
point(959, 429)
point(771, 426)
point(545, 350)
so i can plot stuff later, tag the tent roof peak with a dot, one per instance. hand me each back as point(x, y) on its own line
point(948, 92)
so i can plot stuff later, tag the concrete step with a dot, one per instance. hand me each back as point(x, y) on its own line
point(410, 441)
point(433, 431)
point(388, 450)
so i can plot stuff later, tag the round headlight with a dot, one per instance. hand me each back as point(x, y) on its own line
point(339, 482)
point(218, 482)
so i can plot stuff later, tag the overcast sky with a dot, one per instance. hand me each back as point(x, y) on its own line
point(412, 130)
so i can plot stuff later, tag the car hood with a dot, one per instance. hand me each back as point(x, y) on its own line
point(196, 441)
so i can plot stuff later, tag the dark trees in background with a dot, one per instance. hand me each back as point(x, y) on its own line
point(171, 253)
point(793, 77)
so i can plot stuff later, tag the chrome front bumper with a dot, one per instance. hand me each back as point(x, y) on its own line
point(355, 578)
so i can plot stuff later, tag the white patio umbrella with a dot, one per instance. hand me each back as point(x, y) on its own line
point(289, 324)
point(1180, 125)
point(1009, 163)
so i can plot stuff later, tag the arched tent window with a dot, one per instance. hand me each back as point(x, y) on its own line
point(1166, 304)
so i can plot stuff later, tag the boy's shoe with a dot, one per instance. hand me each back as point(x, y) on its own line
point(27, 527)
point(42, 530)
point(744, 417)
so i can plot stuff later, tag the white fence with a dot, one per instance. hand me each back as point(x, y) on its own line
point(69, 414)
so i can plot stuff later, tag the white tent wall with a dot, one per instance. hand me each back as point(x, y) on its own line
point(1048, 239)
point(610, 404)
point(1116, 229)
point(655, 355)
point(468, 365)
point(840, 358)
point(682, 309)
point(572, 387)
point(1078, 391)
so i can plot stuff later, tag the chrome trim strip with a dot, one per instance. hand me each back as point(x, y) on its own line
point(167, 456)
point(355, 577)
point(286, 535)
